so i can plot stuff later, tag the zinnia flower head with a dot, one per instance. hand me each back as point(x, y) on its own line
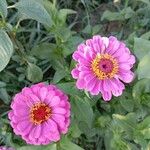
point(40, 114)
point(5, 148)
point(103, 64)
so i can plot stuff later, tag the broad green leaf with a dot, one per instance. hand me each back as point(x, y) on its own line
point(34, 73)
point(4, 95)
point(44, 51)
point(66, 144)
point(69, 88)
point(63, 33)
point(127, 12)
point(111, 16)
point(146, 35)
point(126, 102)
point(62, 14)
point(59, 74)
point(141, 47)
point(6, 49)
point(71, 45)
point(145, 1)
point(74, 130)
point(140, 88)
point(3, 8)
point(143, 70)
point(127, 123)
point(31, 9)
point(48, 147)
point(82, 111)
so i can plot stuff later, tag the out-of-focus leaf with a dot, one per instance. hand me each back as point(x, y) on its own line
point(69, 88)
point(48, 147)
point(3, 8)
point(140, 88)
point(126, 13)
point(141, 47)
point(127, 123)
point(145, 1)
point(59, 74)
point(44, 51)
point(143, 70)
point(111, 16)
point(144, 127)
point(66, 144)
point(71, 45)
point(63, 33)
point(82, 111)
point(126, 102)
point(34, 73)
point(62, 14)
point(31, 9)
point(6, 49)
point(146, 35)
point(4, 95)
point(74, 130)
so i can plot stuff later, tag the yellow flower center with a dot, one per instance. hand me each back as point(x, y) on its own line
point(104, 66)
point(40, 113)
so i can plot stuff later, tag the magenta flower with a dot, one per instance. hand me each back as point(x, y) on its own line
point(102, 63)
point(40, 114)
point(5, 148)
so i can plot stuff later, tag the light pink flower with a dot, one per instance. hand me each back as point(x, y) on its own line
point(102, 63)
point(40, 114)
point(5, 148)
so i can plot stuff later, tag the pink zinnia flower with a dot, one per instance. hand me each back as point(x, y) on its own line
point(5, 148)
point(102, 63)
point(40, 114)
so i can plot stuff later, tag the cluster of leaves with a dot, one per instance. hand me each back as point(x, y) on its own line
point(37, 38)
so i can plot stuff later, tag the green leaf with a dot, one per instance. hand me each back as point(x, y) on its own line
point(4, 95)
point(127, 123)
point(3, 8)
point(48, 147)
point(62, 14)
point(74, 130)
point(146, 35)
point(140, 88)
point(69, 88)
point(82, 111)
point(59, 74)
point(34, 73)
point(70, 46)
point(44, 51)
point(66, 144)
point(145, 1)
point(126, 102)
point(141, 47)
point(128, 12)
point(143, 70)
point(6, 49)
point(111, 16)
point(32, 9)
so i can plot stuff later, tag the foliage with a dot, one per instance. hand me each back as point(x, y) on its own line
point(37, 38)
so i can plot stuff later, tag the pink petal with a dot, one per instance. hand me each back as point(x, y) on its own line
point(105, 41)
point(23, 125)
point(80, 83)
point(106, 96)
point(43, 93)
point(54, 101)
point(126, 77)
point(36, 131)
point(97, 88)
point(75, 73)
point(59, 110)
